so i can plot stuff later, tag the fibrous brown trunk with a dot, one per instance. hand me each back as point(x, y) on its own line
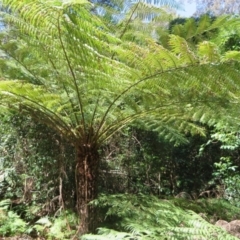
point(86, 178)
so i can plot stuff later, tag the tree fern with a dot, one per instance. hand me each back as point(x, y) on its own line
point(204, 28)
point(87, 83)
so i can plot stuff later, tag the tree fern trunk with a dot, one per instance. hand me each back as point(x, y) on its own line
point(86, 178)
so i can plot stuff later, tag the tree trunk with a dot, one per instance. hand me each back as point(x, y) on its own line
point(86, 179)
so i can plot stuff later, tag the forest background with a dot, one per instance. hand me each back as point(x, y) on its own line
point(160, 123)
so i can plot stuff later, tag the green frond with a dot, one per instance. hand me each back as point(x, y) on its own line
point(232, 55)
point(33, 99)
point(196, 30)
point(187, 30)
point(81, 76)
point(158, 59)
point(228, 34)
point(180, 47)
point(223, 21)
point(208, 52)
point(146, 217)
point(157, 3)
point(143, 18)
point(203, 25)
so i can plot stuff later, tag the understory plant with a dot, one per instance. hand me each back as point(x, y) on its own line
point(147, 217)
point(211, 209)
point(63, 226)
point(225, 173)
point(229, 176)
point(10, 222)
point(28, 151)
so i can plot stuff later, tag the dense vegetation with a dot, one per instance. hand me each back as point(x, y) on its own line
point(117, 127)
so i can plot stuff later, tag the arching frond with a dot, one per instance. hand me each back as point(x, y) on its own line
point(33, 99)
point(195, 30)
point(150, 218)
point(90, 79)
point(134, 20)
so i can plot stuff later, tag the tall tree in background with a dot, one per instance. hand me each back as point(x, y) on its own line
point(65, 68)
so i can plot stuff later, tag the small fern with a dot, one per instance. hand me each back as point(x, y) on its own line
point(147, 217)
point(10, 222)
point(60, 227)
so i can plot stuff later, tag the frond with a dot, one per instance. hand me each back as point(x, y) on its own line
point(182, 98)
point(194, 30)
point(146, 217)
point(33, 99)
point(209, 52)
point(146, 12)
point(228, 32)
point(159, 59)
point(89, 78)
point(187, 30)
point(232, 55)
point(205, 23)
point(141, 18)
point(157, 3)
point(182, 49)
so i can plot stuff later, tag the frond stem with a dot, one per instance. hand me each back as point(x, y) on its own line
point(132, 86)
point(24, 66)
point(65, 88)
point(120, 124)
point(73, 75)
point(46, 110)
point(129, 20)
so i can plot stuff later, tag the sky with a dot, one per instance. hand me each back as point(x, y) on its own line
point(189, 9)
